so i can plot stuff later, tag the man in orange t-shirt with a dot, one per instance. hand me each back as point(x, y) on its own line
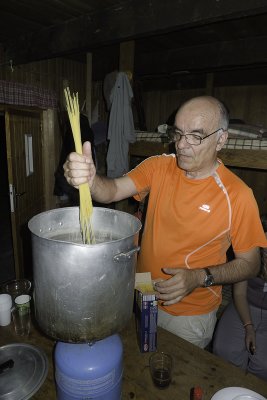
point(197, 208)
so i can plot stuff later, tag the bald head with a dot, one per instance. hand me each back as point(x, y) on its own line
point(210, 105)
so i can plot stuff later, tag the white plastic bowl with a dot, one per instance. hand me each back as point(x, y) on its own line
point(237, 393)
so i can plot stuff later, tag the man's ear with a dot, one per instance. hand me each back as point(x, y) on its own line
point(221, 140)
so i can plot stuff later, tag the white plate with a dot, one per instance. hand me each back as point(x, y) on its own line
point(237, 393)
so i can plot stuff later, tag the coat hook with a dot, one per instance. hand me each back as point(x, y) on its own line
point(11, 65)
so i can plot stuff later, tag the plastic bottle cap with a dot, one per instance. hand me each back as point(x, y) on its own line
point(198, 393)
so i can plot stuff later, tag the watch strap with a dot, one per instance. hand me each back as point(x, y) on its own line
point(209, 279)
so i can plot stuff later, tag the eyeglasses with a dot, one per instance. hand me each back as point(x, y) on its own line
point(191, 138)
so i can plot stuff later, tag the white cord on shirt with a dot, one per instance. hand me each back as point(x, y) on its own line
point(222, 187)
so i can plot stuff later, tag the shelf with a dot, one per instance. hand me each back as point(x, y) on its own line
point(255, 159)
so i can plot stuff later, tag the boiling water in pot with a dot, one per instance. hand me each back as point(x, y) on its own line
point(74, 236)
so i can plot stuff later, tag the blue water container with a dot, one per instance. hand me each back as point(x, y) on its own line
point(85, 371)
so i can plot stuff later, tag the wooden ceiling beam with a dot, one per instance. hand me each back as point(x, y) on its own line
point(206, 57)
point(131, 20)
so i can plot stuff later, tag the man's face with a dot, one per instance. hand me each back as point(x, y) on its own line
point(201, 118)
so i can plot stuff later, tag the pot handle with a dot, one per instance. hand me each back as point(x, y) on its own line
point(122, 256)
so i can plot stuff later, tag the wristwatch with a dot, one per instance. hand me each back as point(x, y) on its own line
point(209, 279)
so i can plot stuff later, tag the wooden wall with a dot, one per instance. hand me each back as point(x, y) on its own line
point(248, 103)
point(51, 75)
point(159, 105)
point(54, 75)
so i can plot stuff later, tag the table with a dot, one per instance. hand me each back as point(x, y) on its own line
point(192, 367)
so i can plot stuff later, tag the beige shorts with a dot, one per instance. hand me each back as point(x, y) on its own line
point(197, 329)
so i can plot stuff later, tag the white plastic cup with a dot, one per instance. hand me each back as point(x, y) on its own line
point(22, 320)
point(23, 301)
point(21, 314)
point(5, 309)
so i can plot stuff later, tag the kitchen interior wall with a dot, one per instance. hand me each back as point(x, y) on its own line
point(245, 102)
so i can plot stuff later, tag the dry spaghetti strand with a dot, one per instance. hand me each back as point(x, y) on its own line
point(86, 206)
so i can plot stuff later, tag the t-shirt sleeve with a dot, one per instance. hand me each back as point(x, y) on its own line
point(246, 228)
point(142, 176)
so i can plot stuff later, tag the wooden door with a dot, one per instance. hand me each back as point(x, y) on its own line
point(25, 175)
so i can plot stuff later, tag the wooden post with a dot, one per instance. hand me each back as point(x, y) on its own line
point(126, 65)
point(127, 56)
point(89, 87)
point(49, 161)
point(209, 84)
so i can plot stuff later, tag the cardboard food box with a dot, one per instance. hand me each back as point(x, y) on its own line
point(146, 312)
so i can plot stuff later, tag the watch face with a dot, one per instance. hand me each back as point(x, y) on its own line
point(208, 280)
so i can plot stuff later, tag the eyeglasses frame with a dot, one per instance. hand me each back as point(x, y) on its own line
point(200, 138)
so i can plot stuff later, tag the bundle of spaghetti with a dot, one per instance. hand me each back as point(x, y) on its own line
point(86, 206)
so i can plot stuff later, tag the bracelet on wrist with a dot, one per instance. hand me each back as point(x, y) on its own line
point(247, 324)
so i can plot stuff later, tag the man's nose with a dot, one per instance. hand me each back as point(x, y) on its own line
point(182, 143)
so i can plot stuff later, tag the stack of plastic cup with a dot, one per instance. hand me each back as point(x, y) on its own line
point(17, 287)
point(5, 309)
point(23, 301)
point(22, 315)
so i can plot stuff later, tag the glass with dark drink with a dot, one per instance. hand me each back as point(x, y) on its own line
point(161, 369)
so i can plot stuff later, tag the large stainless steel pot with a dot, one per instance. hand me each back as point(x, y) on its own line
point(83, 293)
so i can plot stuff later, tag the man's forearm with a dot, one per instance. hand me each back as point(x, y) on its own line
point(103, 189)
point(233, 271)
point(183, 281)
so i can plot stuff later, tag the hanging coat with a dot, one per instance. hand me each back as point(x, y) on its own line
point(121, 130)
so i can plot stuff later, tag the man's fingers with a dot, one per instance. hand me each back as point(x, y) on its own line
point(169, 271)
point(168, 299)
point(87, 152)
point(166, 289)
point(76, 166)
point(174, 301)
point(76, 182)
point(172, 279)
point(76, 173)
point(76, 157)
point(79, 168)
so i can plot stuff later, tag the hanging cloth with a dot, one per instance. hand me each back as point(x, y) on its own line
point(121, 130)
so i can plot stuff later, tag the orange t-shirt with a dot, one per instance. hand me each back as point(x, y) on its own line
point(190, 223)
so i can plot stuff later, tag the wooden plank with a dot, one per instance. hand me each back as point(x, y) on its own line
point(241, 52)
point(143, 148)
point(255, 159)
point(88, 87)
point(127, 56)
point(192, 366)
point(49, 162)
point(209, 84)
point(29, 198)
point(116, 24)
point(256, 179)
point(126, 65)
point(11, 179)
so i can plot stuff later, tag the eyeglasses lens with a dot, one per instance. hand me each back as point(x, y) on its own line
point(190, 138)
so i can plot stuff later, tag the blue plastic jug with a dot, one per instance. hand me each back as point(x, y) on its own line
point(85, 371)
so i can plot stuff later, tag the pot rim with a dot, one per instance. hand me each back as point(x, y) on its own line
point(76, 208)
